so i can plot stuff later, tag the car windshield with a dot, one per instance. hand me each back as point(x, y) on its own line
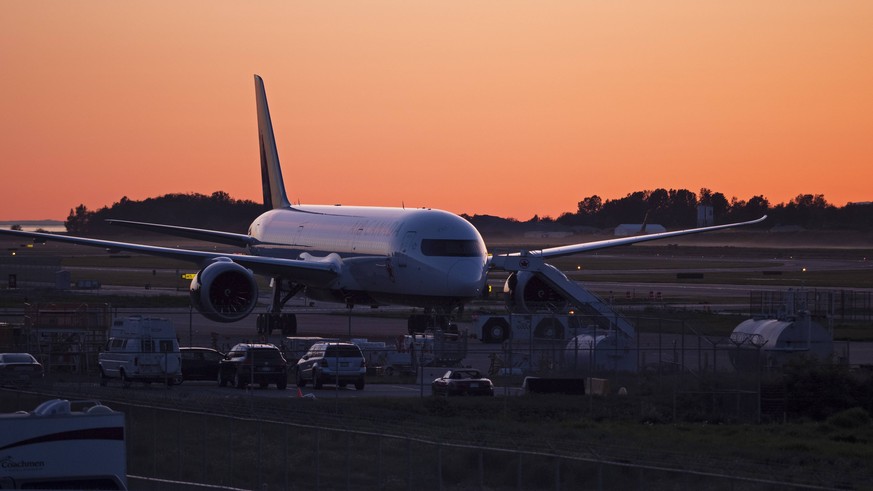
point(342, 352)
point(17, 358)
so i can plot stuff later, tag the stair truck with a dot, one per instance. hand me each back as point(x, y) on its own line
point(544, 306)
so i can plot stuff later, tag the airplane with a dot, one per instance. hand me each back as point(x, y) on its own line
point(355, 255)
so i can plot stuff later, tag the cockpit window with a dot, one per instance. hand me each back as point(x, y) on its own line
point(451, 248)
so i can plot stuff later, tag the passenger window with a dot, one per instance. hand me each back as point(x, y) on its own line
point(166, 346)
point(148, 346)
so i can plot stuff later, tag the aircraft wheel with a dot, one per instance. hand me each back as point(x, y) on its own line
point(495, 330)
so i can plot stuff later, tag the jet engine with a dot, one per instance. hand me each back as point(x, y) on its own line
point(224, 291)
point(526, 292)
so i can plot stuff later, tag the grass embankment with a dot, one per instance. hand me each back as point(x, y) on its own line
point(399, 441)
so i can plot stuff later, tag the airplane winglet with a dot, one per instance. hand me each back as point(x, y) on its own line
point(271, 172)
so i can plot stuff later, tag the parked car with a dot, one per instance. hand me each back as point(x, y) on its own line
point(462, 382)
point(250, 363)
point(332, 363)
point(200, 363)
point(19, 369)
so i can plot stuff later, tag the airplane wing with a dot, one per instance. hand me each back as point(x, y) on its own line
point(604, 244)
point(227, 238)
point(309, 272)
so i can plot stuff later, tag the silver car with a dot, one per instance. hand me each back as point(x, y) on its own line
point(19, 369)
point(332, 363)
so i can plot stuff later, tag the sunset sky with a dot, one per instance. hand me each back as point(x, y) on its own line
point(509, 108)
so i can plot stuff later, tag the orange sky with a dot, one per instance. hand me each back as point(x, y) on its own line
point(507, 108)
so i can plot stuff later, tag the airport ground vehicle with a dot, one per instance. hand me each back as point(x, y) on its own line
point(432, 348)
point(462, 382)
point(143, 349)
point(19, 369)
point(332, 363)
point(63, 445)
point(252, 363)
point(200, 363)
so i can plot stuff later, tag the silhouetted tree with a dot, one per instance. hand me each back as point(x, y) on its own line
point(78, 220)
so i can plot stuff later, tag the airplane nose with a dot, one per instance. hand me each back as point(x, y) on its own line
point(467, 276)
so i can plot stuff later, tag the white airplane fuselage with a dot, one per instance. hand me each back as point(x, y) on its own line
point(418, 257)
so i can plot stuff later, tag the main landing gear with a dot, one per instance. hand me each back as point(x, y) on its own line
point(274, 319)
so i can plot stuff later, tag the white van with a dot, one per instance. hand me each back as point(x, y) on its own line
point(142, 349)
point(63, 445)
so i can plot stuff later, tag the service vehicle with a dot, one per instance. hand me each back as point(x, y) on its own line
point(63, 444)
point(142, 349)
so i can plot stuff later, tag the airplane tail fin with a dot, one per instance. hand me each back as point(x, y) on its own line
point(271, 172)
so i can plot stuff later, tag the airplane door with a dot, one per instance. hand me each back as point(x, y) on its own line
point(407, 246)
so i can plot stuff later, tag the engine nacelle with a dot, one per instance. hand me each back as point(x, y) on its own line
point(525, 292)
point(224, 291)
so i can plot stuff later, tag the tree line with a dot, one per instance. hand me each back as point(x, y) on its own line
point(217, 211)
point(678, 208)
point(674, 208)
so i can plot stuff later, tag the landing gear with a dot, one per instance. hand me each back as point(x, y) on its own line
point(274, 319)
point(439, 318)
point(286, 323)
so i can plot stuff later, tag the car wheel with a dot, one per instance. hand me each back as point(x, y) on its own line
point(301, 382)
point(125, 382)
point(316, 380)
point(103, 378)
point(359, 384)
point(222, 382)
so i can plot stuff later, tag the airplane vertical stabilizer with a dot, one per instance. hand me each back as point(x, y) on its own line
point(271, 173)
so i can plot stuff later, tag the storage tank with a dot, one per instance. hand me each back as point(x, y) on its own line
point(777, 340)
point(601, 351)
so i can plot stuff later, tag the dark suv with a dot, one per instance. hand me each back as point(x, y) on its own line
point(248, 363)
point(339, 363)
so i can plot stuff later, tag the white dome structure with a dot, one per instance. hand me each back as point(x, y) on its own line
point(601, 351)
point(777, 340)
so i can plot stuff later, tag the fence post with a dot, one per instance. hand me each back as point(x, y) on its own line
point(481, 470)
point(317, 458)
point(557, 473)
point(439, 466)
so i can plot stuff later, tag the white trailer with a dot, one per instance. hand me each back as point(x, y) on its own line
point(143, 349)
point(436, 348)
point(63, 445)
